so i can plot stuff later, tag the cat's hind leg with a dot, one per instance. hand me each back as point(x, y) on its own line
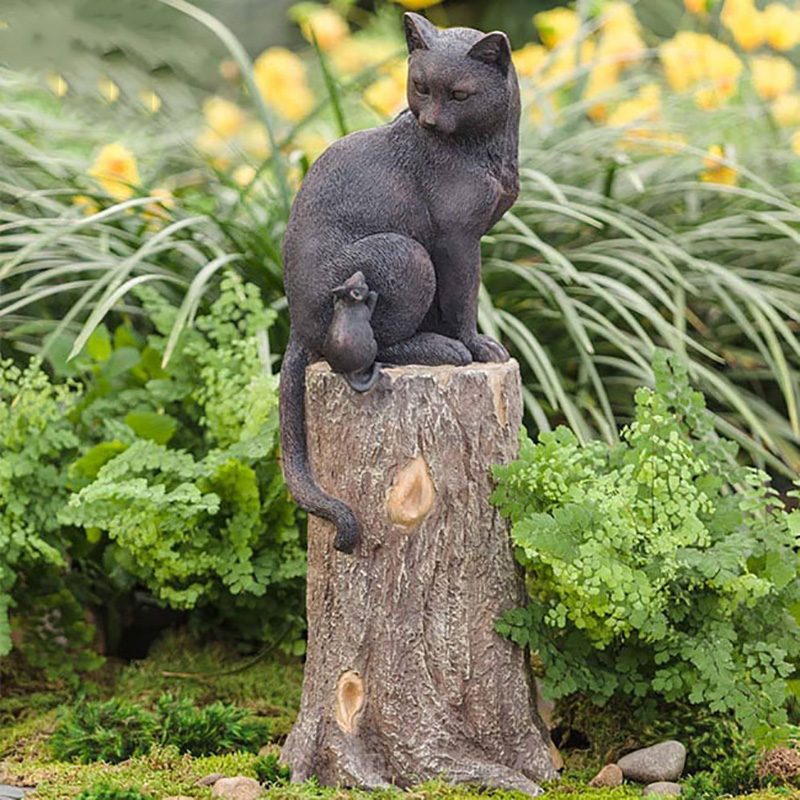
point(426, 348)
point(400, 270)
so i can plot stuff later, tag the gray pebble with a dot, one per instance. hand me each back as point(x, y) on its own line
point(662, 789)
point(661, 762)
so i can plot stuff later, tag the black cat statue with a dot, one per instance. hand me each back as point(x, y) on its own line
point(405, 205)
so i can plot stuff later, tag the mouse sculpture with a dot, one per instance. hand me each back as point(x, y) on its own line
point(406, 205)
point(350, 347)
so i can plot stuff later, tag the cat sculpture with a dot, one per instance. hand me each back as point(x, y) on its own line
point(406, 205)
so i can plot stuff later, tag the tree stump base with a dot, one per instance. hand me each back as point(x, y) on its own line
point(405, 678)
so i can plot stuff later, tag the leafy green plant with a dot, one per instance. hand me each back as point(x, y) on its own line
point(126, 471)
point(36, 440)
point(728, 777)
point(215, 728)
point(103, 792)
point(660, 569)
point(270, 771)
point(115, 730)
point(111, 731)
point(186, 483)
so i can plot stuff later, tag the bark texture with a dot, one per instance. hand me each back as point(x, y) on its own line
point(405, 678)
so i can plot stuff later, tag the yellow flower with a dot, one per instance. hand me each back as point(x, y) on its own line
point(281, 78)
point(58, 86)
point(698, 61)
point(563, 65)
point(556, 26)
point(624, 46)
point(216, 147)
point(388, 94)
point(417, 5)
point(745, 22)
point(528, 60)
point(243, 175)
point(772, 76)
point(786, 110)
point(619, 15)
point(646, 106)
point(357, 53)
point(717, 172)
point(86, 204)
point(108, 88)
point(254, 141)
point(602, 79)
point(150, 100)
point(326, 26)
point(116, 171)
point(795, 142)
point(223, 116)
point(696, 6)
point(620, 39)
point(647, 140)
point(3, 24)
point(313, 145)
point(781, 26)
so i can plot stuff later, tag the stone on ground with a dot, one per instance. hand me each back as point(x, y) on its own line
point(662, 789)
point(238, 788)
point(13, 792)
point(661, 762)
point(608, 777)
point(210, 780)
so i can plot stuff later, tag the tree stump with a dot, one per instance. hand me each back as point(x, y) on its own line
point(405, 678)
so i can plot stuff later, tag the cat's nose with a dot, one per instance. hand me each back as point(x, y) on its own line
point(427, 121)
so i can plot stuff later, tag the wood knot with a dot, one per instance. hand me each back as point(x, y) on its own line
point(412, 494)
point(349, 700)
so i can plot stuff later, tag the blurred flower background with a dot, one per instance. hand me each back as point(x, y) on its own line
point(660, 155)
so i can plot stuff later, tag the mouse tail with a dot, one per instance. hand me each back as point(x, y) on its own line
point(296, 465)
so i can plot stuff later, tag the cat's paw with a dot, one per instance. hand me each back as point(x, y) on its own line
point(484, 348)
point(451, 351)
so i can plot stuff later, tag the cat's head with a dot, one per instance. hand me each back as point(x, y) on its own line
point(353, 290)
point(460, 81)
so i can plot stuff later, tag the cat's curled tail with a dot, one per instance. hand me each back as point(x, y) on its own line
point(296, 466)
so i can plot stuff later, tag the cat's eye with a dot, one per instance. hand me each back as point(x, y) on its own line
point(459, 95)
point(421, 88)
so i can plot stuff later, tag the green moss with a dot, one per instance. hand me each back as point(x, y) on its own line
point(269, 686)
point(27, 739)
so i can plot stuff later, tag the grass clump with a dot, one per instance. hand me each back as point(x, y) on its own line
point(270, 771)
point(111, 731)
point(112, 793)
point(115, 730)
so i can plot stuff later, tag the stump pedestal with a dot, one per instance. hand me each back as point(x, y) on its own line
point(405, 678)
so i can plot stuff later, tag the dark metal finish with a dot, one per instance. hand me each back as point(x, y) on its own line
point(405, 205)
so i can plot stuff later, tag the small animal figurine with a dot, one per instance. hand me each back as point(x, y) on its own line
point(406, 204)
point(350, 346)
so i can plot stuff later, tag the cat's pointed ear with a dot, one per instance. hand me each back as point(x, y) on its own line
point(493, 48)
point(419, 32)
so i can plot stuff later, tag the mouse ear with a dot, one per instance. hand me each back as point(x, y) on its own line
point(419, 32)
point(493, 48)
point(340, 291)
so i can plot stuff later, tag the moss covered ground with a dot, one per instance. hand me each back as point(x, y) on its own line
point(269, 687)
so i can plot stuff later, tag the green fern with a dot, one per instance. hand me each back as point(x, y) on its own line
point(659, 567)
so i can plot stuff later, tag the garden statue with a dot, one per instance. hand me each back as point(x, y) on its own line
point(405, 677)
point(406, 205)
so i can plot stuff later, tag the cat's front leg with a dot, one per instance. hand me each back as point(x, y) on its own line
point(458, 277)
